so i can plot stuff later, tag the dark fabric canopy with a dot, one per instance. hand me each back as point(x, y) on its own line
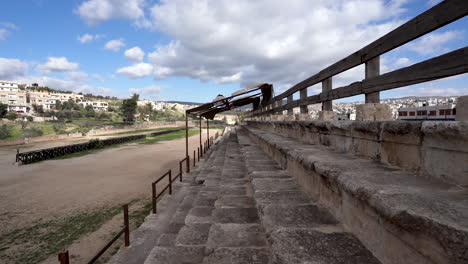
point(258, 95)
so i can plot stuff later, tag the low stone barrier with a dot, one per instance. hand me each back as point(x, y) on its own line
point(436, 149)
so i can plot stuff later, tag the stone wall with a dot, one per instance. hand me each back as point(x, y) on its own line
point(436, 149)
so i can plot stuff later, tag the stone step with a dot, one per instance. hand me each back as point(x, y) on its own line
point(400, 217)
point(161, 230)
point(298, 230)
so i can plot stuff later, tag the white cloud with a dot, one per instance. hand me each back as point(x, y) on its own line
point(8, 25)
point(5, 28)
point(432, 91)
point(86, 38)
point(11, 69)
point(56, 64)
point(3, 33)
point(431, 3)
point(433, 43)
point(95, 11)
point(68, 84)
point(77, 76)
point(134, 54)
point(114, 44)
point(152, 91)
point(276, 41)
point(138, 70)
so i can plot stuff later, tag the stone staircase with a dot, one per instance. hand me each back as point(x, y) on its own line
point(239, 206)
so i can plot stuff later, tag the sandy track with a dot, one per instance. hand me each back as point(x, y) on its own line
point(57, 188)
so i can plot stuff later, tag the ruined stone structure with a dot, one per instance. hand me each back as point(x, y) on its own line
point(317, 192)
point(281, 188)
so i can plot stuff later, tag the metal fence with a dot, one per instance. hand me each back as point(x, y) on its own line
point(64, 258)
point(50, 153)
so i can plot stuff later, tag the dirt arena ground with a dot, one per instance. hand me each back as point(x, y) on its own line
point(56, 189)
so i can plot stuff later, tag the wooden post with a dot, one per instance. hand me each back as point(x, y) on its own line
point(64, 258)
point(186, 134)
point(127, 226)
point(153, 188)
point(208, 131)
point(180, 168)
point(194, 158)
point(327, 86)
point(278, 104)
point(290, 99)
point(198, 153)
point(201, 135)
point(304, 109)
point(170, 182)
point(372, 70)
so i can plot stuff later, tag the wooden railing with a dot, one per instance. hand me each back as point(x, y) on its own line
point(449, 64)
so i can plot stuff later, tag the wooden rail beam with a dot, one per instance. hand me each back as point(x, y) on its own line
point(449, 64)
point(438, 16)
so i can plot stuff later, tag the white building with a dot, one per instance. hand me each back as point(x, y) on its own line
point(20, 99)
point(97, 105)
point(435, 112)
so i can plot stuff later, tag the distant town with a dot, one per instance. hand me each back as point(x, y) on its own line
point(30, 100)
point(405, 108)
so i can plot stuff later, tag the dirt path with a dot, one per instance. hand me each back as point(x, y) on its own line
point(58, 188)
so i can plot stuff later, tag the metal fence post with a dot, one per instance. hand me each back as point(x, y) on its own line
point(127, 226)
point(198, 153)
point(180, 170)
point(194, 158)
point(188, 164)
point(170, 182)
point(153, 186)
point(64, 258)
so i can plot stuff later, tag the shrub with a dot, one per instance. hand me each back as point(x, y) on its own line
point(32, 132)
point(59, 128)
point(5, 131)
point(30, 118)
point(11, 116)
point(96, 144)
point(3, 110)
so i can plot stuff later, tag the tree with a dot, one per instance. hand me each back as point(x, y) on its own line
point(129, 108)
point(89, 111)
point(3, 110)
point(38, 108)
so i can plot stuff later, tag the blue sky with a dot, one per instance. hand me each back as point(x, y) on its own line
point(192, 50)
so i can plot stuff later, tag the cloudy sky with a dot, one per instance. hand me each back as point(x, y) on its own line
point(192, 50)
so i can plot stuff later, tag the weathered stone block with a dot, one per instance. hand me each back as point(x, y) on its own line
point(327, 116)
point(236, 215)
point(310, 246)
point(176, 255)
point(291, 216)
point(194, 234)
point(199, 215)
point(373, 112)
point(238, 256)
point(462, 108)
point(236, 235)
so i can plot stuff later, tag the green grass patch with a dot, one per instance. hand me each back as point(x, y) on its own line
point(140, 131)
point(166, 137)
point(37, 242)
